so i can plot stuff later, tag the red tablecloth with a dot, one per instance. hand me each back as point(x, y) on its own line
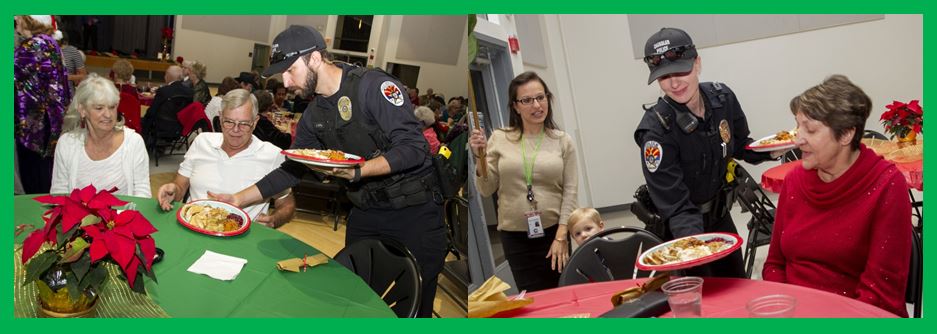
point(722, 298)
point(773, 178)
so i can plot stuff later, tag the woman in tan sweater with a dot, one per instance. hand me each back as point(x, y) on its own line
point(532, 166)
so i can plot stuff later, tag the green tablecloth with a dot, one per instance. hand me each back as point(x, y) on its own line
point(260, 290)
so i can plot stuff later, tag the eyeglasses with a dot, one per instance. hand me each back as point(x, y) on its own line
point(672, 54)
point(530, 100)
point(242, 125)
point(279, 56)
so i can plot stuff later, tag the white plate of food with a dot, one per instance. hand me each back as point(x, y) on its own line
point(783, 140)
point(689, 251)
point(213, 218)
point(323, 158)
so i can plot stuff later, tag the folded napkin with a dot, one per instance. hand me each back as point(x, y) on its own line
point(300, 264)
point(218, 266)
point(490, 299)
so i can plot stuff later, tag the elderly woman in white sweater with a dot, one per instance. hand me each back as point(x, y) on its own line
point(96, 148)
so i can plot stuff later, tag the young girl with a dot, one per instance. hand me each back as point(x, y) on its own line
point(584, 223)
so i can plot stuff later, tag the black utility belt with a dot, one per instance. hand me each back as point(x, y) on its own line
point(410, 191)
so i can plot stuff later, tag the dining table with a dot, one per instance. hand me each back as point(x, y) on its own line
point(907, 158)
point(722, 298)
point(259, 290)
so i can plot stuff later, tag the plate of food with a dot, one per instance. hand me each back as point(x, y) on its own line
point(689, 251)
point(323, 158)
point(780, 141)
point(213, 218)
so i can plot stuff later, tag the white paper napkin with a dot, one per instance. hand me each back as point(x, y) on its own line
point(218, 266)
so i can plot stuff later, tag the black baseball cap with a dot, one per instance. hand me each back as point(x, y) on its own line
point(294, 42)
point(663, 41)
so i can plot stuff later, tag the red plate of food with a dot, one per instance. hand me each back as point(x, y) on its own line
point(689, 251)
point(213, 218)
point(323, 158)
point(780, 141)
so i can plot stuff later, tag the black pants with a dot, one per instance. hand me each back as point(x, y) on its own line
point(35, 171)
point(528, 261)
point(729, 266)
point(418, 227)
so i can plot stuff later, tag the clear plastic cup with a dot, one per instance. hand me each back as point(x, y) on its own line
point(773, 306)
point(685, 295)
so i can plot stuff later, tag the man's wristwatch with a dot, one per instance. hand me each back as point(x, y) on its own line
point(357, 174)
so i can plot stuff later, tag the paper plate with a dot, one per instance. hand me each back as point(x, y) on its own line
point(772, 147)
point(216, 204)
point(733, 239)
point(350, 160)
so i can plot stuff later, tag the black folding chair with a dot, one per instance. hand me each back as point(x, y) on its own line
point(609, 255)
point(749, 193)
point(872, 134)
point(916, 275)
point(389, 269)
point(164, 130)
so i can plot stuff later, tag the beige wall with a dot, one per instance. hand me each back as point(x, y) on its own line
point(600, 86)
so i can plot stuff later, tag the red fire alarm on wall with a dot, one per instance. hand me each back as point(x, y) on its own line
point(514, 44)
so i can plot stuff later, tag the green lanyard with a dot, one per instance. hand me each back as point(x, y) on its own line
point(529, 167)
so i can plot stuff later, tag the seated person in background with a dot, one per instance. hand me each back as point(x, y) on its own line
point(843, 222)
point(428, 119)
point(165, 118)
point(213, 108)
point(229, 161)
point(123, 71)
point(265, 129)
point(584, 223)
point(96, 148)
point(280, 96)
point(197, 72)
point(248, 81)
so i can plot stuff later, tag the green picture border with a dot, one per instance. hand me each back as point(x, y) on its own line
point(451, 7)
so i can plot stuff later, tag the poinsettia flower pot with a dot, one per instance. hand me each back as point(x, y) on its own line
point(55, 300)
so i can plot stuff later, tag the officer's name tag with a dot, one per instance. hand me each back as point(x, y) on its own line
point(534, 225)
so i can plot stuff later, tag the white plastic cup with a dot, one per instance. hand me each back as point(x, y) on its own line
point(685, 295)
point(773, 306)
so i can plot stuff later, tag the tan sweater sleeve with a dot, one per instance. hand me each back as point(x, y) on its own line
point(570, 179)
point(488, 185)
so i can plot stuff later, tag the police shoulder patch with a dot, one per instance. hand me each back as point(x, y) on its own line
point(392, 93)
point(653, 154)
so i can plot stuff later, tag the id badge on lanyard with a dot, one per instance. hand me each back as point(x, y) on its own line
point(534, 224)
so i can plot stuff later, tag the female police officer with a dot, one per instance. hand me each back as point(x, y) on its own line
point(686, 141)
point(363, 112)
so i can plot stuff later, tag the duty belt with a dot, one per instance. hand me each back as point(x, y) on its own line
point(412, 190)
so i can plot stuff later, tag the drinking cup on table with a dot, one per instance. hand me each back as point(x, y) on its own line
point(773, 306)
point(685, 295)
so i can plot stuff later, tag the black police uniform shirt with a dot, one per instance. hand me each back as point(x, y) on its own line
point(378, 101)
point(684, 170)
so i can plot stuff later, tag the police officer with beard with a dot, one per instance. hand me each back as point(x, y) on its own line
point(686, 141)
point(363, 112)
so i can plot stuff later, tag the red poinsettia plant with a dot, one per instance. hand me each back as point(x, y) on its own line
point(82, 231)
point(167, 33)
point(903, 118)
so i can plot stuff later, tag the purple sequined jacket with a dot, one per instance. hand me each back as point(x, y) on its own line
point(42, 95)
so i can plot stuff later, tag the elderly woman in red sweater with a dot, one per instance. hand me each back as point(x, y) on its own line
point(843, 222)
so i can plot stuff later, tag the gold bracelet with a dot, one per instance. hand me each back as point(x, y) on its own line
point(560, 240)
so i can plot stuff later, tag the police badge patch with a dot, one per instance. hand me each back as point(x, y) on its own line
point(391, 93)
point(653, 153)
point(344, 108)
point(724, 131)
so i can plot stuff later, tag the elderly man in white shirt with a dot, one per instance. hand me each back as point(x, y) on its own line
point(230, 161)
